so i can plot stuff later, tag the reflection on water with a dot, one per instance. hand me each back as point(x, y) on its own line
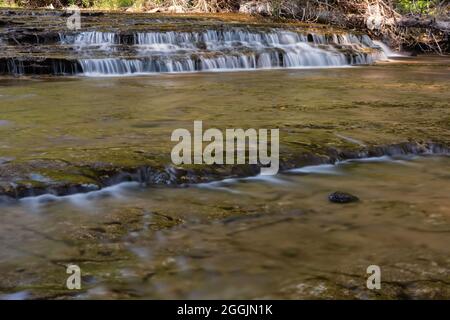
point(242, 238)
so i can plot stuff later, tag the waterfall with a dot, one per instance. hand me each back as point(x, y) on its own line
point(230, 49)
point(97, 53)
point(91, 40)
point(386, 50)
point(97, 67)
point(14, 66)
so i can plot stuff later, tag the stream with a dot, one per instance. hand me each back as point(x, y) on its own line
point(86, 176)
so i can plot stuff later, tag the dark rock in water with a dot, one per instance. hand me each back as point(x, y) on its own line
point(342, 197)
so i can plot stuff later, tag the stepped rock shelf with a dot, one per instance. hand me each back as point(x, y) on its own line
point(117, 44)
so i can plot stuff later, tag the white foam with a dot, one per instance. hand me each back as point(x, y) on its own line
point(326, 169)
point(21, 295)
point(377, 159)
point(80, 199)
point(319, 169)
point(120, 190)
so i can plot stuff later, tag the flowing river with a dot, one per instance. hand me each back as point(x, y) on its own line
point(86, 177)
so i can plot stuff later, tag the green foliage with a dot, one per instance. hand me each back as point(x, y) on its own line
point(8, 4)
point(416, 6)
point(112, 4)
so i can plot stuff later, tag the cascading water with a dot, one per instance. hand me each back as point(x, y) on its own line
point(212, 48)
point(221, 50)
point(387, 51)
point(82, 40)
point(217, 50)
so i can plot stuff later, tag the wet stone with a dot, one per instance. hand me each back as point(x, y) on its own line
point(342, 197)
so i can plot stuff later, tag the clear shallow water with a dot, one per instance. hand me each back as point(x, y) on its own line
point(245, 238)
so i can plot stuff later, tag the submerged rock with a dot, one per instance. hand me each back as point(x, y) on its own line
point(342, 197)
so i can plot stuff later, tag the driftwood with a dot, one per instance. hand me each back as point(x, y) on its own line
point(424, 22)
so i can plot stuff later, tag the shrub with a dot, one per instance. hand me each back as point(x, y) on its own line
point(416, 6)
